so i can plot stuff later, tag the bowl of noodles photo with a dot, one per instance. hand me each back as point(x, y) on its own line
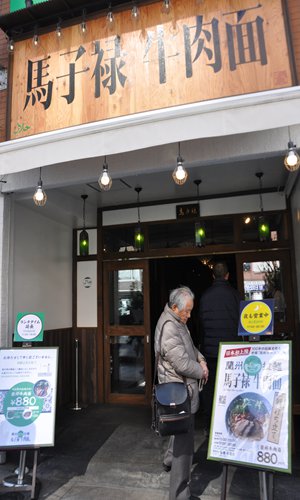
point(248, 416)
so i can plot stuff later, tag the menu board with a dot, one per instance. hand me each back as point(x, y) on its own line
point(28, 382)
point(251, 419)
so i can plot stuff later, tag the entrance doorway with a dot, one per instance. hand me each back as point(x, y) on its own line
point(194, 272)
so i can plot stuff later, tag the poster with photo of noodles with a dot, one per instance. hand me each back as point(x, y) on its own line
point(28, 386)
point(251, 418)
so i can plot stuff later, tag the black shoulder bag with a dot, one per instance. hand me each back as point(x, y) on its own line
point(171, 405)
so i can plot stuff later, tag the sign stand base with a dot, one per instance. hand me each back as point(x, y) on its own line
point(22, 482)
point(266, 484)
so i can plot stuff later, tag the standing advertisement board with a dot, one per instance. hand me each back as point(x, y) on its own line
point(28, 386)
point(251, 420)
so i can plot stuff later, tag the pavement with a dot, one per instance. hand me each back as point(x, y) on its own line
point(109, 452)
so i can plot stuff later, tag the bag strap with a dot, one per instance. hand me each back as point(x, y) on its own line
point(157, 354)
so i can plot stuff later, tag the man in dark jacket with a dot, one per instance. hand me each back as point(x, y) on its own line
point(219, 319)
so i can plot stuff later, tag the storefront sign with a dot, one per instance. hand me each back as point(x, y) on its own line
point(199, 51)
point(28, 380)
point(256, 317)
point(251, 421)
point(29, 327)
point(187, 211)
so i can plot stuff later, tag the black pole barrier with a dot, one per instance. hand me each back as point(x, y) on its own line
point(76, 407)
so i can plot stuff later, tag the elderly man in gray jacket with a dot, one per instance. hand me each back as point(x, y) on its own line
point(179, 360)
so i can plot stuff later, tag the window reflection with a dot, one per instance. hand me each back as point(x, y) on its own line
point(263, 280)
point(126, 297)
point(127, 365)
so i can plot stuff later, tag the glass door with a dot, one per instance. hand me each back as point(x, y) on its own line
point(263, 275)
point(127, 332)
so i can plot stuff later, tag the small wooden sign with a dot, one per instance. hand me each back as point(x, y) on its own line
point(187, 211)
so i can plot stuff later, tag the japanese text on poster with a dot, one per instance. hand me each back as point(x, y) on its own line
point(28, 379)
point(252, 401)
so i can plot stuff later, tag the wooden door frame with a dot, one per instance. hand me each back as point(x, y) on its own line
point(117, 330)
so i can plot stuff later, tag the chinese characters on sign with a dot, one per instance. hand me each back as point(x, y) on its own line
point(256, 317)
point(28, 379)
point(252, 406)
point(29, 327)
point(198, 54)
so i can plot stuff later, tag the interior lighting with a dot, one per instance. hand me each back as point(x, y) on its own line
point(40, 197)
point(179, 175)
point(138, 234)
point(105, 180)
point(263, 225)
point(200, 234)
point(83, 236)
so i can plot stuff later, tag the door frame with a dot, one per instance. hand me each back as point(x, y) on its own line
point(128, 330)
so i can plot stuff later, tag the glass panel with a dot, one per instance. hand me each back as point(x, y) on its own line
point(127, 375)
point(263, 280)
point(217, 231)
point(126, 305)
point(121, 239)
point(250, 227)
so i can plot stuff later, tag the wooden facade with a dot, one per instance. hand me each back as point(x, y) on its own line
point(198, 52)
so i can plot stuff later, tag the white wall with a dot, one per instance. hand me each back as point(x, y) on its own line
point(221, 206)
point(42, 267)
point(295, 209)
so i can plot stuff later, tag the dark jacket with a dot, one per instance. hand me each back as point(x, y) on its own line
point(219, 316)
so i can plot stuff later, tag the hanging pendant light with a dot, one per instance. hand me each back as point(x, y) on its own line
point(84, 236)
point(135, 13)
point(138, 235)
point(40, 197)
point(292, 159)
point(83, 24)
point(110, 18)
point(263, 225)
point(58, 30)
point(200, 235)
point(105, 181)
point(179, 175)
point(166, 7)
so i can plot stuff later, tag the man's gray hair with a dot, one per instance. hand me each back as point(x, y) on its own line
point(179, 297)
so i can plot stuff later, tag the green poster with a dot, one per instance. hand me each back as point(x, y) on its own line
point(23, 4)
point(29, 327)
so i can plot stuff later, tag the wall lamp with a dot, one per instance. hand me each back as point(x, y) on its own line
point(179, 175)
point(105, 180)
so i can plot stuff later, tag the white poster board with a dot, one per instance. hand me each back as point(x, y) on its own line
point(251, 419)
point(28, 383)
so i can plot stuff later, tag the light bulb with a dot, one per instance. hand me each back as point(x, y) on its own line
point(35, 40)
point(292, 160)
point(135, 13)
point(166, 7)
point(10, 45)
point(40, 196)
point(83, 27)
point(58, 31)
point(180, 175)
point(105, 181)
point(110, 19)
